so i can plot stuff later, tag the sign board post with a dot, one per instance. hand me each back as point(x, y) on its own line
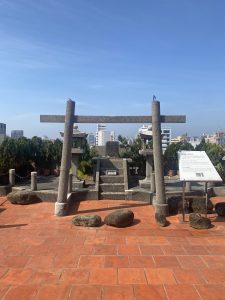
point(196, 166)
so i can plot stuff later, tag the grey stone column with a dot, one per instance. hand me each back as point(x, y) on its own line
point(61, 204)
point(12, 177)
point(70, 183)
point(160, 204)
point(33, 185)
point(153, 182)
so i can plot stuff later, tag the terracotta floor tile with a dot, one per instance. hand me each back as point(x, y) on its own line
point(147, 292)
point(45, 277)
point(211, 292)
point(160, 276)
point(131, 276)
point(214, 261)
point(116, 261)
point(105, 250)
point(14, 261)
point(128, 250)
point(158, 240)
point(151, 250)
point(53, 292)
point(215, 276)
point(66, 260)
point(181, 291)
point(3, 271)
point(173, 250)
point(103, 276)
point(91, 261)
point(3, 290)
point(191, 262)
point(141, 262)
point(188, 276)
point(74, 276)
point(166, 261)
point(40, 262)
point(118, 293)
point(216, 250)
point(17, 276)
point(25, 292)
point(86, 292)
point(196, 250)
point(115, 240)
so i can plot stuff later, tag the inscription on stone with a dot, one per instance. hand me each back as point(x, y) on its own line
point(112, 149)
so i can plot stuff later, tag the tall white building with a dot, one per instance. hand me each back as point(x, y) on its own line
point(16, 134)
point(2, 131)
point(102, 135)
point(166, 137)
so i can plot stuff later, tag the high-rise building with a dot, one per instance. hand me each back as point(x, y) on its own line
point(91, 139)
point(2, 132)
point(166, 137)
point(16, 134)
point(102, 135)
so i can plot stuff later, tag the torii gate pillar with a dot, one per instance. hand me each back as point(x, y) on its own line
point(61, 203)
point(161, 206)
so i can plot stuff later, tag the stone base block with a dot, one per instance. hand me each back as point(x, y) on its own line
point(145, 184)
point(162, 209)
point(61, 209)
point(78, 184)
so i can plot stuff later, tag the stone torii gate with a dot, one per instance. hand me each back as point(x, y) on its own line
point(69, 119)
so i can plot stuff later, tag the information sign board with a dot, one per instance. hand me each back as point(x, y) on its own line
point(196, 166)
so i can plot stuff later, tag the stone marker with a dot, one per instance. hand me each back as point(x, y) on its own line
point(199, 222)
point(23, 197)
point(220, 209)
point(120, 218)
point(112, 149)
point(87, 220)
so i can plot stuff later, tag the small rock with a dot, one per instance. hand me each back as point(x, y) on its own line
point(120, 218)
point(199, 206)
point(220, 209)
point(161, 220)
point(87, 220)
point(199, 222)
point(23, 197)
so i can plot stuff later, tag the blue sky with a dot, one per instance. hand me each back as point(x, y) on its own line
point(111, 57)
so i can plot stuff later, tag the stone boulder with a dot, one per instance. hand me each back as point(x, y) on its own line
point(23, 197)
point(199, 222)
point(87, 220)
point(220, 209)
point(120, 218)
point(161, 220)
point(199, 206)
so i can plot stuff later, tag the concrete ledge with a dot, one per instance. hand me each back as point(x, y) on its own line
point(218, 191)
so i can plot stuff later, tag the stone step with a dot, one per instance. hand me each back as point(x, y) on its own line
point(111, 179)
point(112, 196)
point(108, 187)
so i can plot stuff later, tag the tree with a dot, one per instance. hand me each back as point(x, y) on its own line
point(171, 155)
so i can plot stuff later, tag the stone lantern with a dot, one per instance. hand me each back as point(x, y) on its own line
point(78, 144)
point(146, 137)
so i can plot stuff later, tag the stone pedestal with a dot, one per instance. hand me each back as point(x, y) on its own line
point(148, 153)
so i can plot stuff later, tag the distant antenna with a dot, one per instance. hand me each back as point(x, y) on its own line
point(154, 98)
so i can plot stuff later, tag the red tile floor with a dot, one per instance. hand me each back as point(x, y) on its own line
point(46, 257)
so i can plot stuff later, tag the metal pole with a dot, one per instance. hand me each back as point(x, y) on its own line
point(160, 205)
point(206, 198)
point(61, 204)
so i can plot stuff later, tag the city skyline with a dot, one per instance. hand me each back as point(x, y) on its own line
point(111, 57)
